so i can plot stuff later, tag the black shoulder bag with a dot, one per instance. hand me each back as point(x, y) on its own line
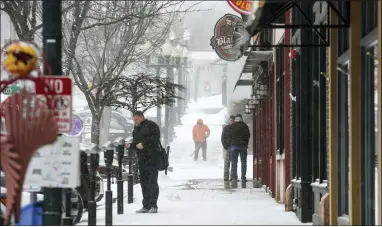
point(163, 158)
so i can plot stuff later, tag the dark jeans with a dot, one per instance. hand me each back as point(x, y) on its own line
point(243, 158)
point(199, 145)
point(227, 162)
point(148, 176)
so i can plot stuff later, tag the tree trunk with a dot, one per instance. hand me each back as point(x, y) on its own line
point(96, 121)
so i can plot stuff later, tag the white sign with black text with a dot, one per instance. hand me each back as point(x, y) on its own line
point(56, 165)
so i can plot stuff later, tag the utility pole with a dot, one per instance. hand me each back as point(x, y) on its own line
point(224, 80)
point(181, 93)
point(159, 109)
point(196, 84)
point(52, 34)
point(167, 107)
point(224, 85)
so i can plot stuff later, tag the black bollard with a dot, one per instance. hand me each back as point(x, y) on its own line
point(120, 149)
point(108, 156)
point(130, 178)
point(135, 167)
point(93, 150)
point(168, 156)
point(67, 220)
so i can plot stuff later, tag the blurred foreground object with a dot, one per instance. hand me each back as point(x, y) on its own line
point(20, 58)
point(30, 124)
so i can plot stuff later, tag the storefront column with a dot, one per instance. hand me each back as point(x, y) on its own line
point(261, 144)
point(333, 119)
point(305, 140)
point(259, 148)
point(355, 113)
point(267, 155)
point(380, 112)
point(257, 183)
point(274, 130)
point(287, 105)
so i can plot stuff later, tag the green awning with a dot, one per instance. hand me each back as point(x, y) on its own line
point(257, 63)
point(273, 12)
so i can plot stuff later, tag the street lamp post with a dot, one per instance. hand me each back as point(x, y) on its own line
point(186, 38)
point(52, 34)
point(224, 81)
point(146, 47)
point(167, 51)
point(177, 53)
point(185, 80)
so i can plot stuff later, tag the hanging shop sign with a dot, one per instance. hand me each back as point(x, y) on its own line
point(229, 35)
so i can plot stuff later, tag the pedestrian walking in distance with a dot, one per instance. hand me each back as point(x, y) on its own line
point(200, 133)
point(226, 142)
point(146, 139)
point(239, 144)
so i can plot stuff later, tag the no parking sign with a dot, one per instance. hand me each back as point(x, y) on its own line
point(62, 100)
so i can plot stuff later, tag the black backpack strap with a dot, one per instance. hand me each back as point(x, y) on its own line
point(160, 145)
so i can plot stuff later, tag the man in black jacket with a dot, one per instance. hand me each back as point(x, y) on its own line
point(146, 137)
point(226, 142)
point(239, 143)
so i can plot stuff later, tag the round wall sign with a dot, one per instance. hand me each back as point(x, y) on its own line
point(223, 41)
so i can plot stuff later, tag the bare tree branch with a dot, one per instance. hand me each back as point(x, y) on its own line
point(139, 92)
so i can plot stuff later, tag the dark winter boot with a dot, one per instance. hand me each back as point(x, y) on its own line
point(142, 210)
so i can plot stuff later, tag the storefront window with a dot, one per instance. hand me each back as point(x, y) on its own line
point(376, 98)
point(343, 145)
point(376, 130)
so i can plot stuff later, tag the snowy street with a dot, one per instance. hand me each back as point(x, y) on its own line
point(194, 193)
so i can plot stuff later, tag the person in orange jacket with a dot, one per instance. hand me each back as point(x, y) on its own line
point(200, 132)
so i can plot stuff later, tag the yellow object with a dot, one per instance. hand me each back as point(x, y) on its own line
point(199, 121)
point(20, 59)
point(3, 201)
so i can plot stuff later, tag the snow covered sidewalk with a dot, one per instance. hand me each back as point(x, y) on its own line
point(194, 192)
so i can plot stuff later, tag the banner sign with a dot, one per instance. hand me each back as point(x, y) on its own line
point(241, 6)
point(246, 7)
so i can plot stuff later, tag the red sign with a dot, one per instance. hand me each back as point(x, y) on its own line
point(241, 6)
point(62, 101)
point(246, 7)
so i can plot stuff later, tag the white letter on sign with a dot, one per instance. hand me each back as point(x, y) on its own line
point(56, 85)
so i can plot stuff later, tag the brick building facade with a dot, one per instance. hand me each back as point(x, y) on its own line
point(302, 123)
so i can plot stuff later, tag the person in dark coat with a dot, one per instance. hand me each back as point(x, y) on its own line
point(146, 138)
point(226, 142)
point(239, 144)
